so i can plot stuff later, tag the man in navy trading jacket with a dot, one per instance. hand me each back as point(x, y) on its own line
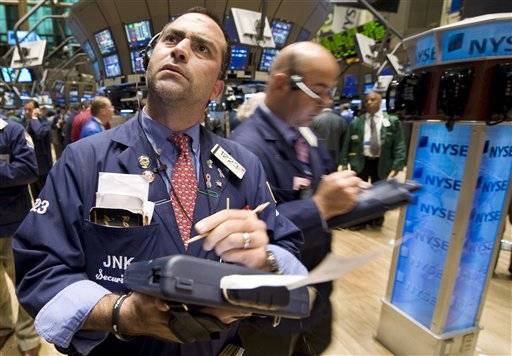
point(302, 176)
point(18, 168)
point(68, 276)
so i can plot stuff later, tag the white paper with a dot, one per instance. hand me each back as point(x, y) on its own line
point(123, 184)
point(331, 268)
point(119, 201)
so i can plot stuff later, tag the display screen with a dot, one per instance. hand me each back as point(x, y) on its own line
point(349, 85)
point(9, 100)
point(32, 37)
point(239, 57)
point(137, 62)
point(280, 32)
point(303, 35)
point(96, 70)
point(9, 75)
point(267, 57)
point(73, 96)
point(368, 87)
point(88, 50)
point(138, 33)
point(112, 67)
point(229, 25)
point(87, 95)
point(105, 41)
point(58, 86)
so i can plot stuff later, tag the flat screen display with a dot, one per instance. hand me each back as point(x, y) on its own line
point(9, 100)
point(112, 67)
point(22, 35)
point(349, 85)
point(229, 25)
point(368, 87)
point(96, 70)
point(9, 75)
point(303, 35)
point(73, 96)
point(88, 50)
point(138, 33)
point(280, 32)
point(137, 62)
point(267, 57)
point(58, 86)
point(105, 41)
point(239, 57)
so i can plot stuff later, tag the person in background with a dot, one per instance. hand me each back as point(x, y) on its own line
point(80, 119)
point(102, 112)
point(39, 129)
point(304, 181)
point(68, 124)
point(374, 146)
point(57, 130)
point(346, 113)
point(18, 168)
point(246, 109)
point(330, 127)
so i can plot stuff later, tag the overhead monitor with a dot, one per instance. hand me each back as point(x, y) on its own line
point(368, 87)
point(9, 101)
point(239, 57)
point(88, 50)
point(33, 53)
point(280, 32)
point(248, 26)
point(137, 61)
point(105, 41)
point(303, 35)
point(9, 75)
point(22, 37)
point(267, 57)
point(112, 66)
point(138, 33)
point(87, 95)
point(229, 25)
point(96, 70)
point(350, 82)
point(58, 86)
point(73, 96)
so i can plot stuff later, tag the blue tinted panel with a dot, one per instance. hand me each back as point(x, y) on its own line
point(138, 33)
point(112, 67)
point(267, 57)
point(239, 57)
point(105, 42)
point(439, 168)
point(488, 206)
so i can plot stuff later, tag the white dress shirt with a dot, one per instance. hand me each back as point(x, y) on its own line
point(378, 118)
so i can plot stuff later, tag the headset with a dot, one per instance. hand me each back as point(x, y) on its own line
point(297, 81)
point(148, 50)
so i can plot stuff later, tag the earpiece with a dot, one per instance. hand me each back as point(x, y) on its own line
point(295, 80)
point(146, 52)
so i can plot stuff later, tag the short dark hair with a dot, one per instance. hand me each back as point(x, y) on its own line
point(226, 56)
point(33, 101)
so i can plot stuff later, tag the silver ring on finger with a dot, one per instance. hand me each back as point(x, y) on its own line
point(247, 240)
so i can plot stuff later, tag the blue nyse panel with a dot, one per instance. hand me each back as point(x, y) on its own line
point(439, 167)
point(488, 206)
point(425, 51)
point(487, 40)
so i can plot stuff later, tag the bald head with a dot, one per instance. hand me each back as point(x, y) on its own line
point(301, 56)
point(372, 102)
point(319, 74)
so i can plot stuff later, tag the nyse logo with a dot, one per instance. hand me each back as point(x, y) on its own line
point(491, 45)
point(500, 151)
point(455, 42)
point(426, 55)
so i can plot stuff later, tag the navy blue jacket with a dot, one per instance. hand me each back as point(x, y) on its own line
point(40, 130)
point(281, 165)
point(61, 246)
point(18, 168)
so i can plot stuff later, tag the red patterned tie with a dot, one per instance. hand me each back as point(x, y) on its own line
point(185, 187)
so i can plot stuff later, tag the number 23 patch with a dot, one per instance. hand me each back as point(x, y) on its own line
point(40, 206)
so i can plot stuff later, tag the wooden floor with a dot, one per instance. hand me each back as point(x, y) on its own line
point(356, 299)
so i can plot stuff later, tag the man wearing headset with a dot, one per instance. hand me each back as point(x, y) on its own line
point(303, 179)
point(65, 259)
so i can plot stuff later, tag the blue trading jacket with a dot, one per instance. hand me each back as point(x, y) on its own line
point(18, 168)
point(58, 246)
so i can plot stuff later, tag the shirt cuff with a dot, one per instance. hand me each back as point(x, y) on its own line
point(288, 263)
point(63, 316)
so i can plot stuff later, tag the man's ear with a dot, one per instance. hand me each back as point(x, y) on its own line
point(279, 81)
point(218, 90)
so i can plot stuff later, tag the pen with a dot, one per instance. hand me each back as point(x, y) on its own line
point(256, 210)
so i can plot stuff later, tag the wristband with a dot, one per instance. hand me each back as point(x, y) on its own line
point(116, 311)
